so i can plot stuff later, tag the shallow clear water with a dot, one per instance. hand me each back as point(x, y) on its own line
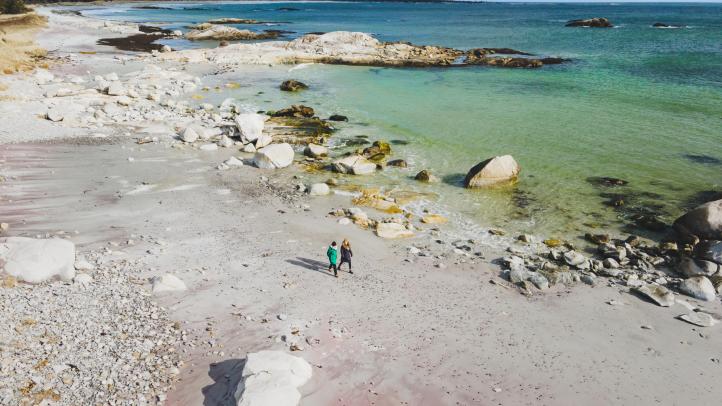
point(636, 103)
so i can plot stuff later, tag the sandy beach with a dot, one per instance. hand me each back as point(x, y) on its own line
point(425, 320)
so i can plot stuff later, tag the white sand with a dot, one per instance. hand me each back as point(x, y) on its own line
point(407, 332)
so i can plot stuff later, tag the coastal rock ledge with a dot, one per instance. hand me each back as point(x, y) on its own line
point(354, 48)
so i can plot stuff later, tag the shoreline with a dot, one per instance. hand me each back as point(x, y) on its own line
point(405, 327)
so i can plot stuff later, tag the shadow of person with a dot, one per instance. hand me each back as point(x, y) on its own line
point(310, 264)
point(226, 375)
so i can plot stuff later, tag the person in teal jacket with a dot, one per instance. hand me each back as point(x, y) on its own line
point(332, 254)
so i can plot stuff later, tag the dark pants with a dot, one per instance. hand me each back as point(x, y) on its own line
point(334, 267)
point(345, 261)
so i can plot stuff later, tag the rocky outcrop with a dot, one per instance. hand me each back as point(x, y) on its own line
point(222, 32)
point(272, 378)
point(597, 22)
point(274, 156)
point(296, 110)
point(351, 48)
point(293, 85)
point(493, 171)
point(37, 260)
point(229, 20)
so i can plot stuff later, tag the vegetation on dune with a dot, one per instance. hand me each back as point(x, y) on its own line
point(13, 7)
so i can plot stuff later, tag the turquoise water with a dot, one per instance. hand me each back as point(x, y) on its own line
point(636, 103)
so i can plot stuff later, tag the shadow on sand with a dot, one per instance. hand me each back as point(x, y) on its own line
point(310, 264)
point(226, 375)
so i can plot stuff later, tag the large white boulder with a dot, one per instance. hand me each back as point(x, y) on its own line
point(37, 260)
point(704, 221)
point(272, 378)
point(319, 189)
point(190, 134)
point(274, 156)
point(493, 171)
point(250, 125)
point(168, 283)
point(354, 164)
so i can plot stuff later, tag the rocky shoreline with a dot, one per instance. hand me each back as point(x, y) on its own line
point(105, 338)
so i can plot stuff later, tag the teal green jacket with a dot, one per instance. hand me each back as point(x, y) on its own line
point(332, 254)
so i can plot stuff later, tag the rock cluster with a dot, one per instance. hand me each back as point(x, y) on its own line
point(224, 32)
point(99, 340)
point(351, 48)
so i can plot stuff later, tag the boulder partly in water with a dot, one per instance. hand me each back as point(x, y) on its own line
point(493, 171)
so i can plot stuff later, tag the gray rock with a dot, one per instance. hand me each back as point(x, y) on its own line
point(698, 287)
point(574, 258)
point(710, 250)
point(690, 267)
point(539, 281)
point(658, 294)
point(116, 89)
point(610, 263)
point(703, 221)
point(589, 280)
point(701, 319)
point(54, 115)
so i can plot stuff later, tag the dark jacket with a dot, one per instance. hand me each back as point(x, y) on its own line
point(346, 254)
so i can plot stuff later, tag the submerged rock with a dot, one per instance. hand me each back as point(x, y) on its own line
point(292, 85)
point(597, 22)
point(663, 25)
point(657, 293)
point(493, 171)
point(37, 260)
point(337, 117)
point(399, 163)
point(296, 110)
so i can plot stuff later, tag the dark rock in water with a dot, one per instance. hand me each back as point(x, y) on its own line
point(293, 85)
point(399, 142)
point(315, 33)
point(151, 8)
point(223, 44)
point(702, 197)
point(649, 222)
point(149, 29)
point(377, 151)
point(426, 176)
point(489, 51)
point(134, 43)
point(355, 142)
point(337, 117)
point(399, 163)
point(597, 238)
point(553, 60)
point(297, 110)
point(606, 181)
point(663, 25)
point(288, 9)
point(703, 159)
point(597, 22)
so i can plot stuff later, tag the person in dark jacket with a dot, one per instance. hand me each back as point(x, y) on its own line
point(332, 254)
point(346, 255)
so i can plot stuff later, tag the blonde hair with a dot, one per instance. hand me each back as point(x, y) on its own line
point(345, 243)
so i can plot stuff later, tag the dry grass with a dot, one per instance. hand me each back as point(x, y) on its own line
point(18, 51)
